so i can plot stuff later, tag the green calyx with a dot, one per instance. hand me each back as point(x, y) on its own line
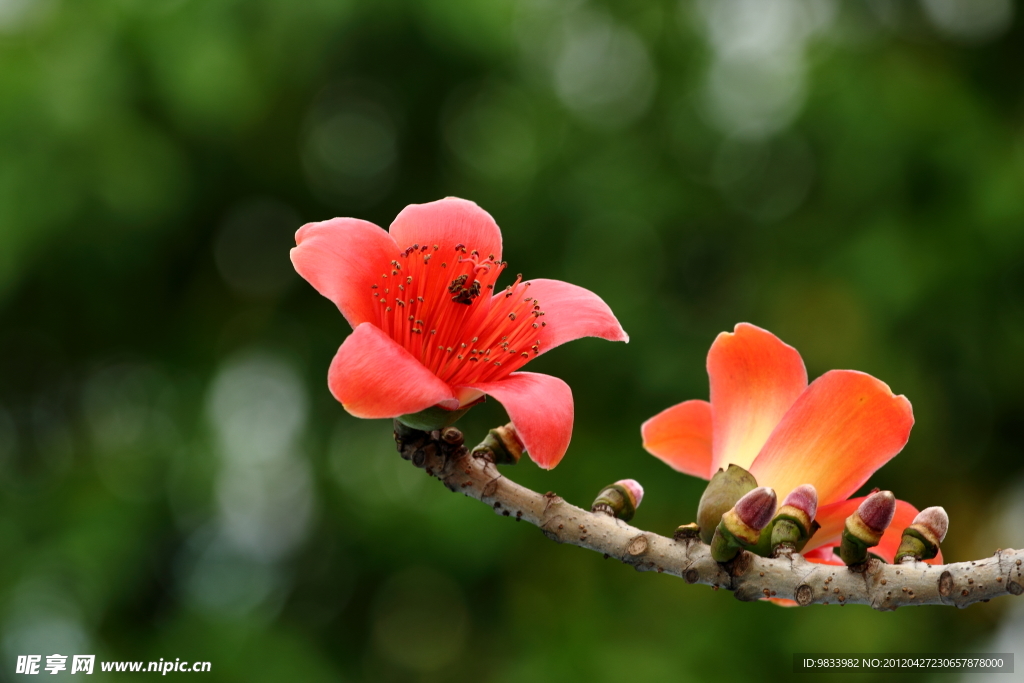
point(732, 536)
point(721, 494)
point(852, 550)
point(786, 531)
point(432, 418)
point(916, 545)
point(724, 545)
point(615, 500)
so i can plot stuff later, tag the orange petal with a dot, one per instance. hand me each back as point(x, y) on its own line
point(343, 258)
point(571, 312)
point(843, 428)
point(824, 555)
point(540, 408)
point(782, 602)
point(448, 223)
point(755, 378)
point(374, 377)
point(833, 517)
point(680, 436)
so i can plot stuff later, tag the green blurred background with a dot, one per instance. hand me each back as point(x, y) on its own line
point(175, 478)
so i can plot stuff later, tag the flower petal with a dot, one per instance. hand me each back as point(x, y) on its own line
point(832, 519)
point(342, 258)
point(843, 428)
point(448, 222)
point(680, 436)
point(540, 407)
point(782, 602)
point(373, 377)
point(755, 378)
point(572, 312)
point(824, 555)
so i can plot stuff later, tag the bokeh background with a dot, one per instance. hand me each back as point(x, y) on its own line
point(177, 482)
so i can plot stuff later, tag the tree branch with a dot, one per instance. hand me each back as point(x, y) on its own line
point(750, 577)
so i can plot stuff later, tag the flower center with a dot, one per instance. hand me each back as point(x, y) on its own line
point(442, 309)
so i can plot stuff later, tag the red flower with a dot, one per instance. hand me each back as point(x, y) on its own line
point(431, 331)
point(764, 417)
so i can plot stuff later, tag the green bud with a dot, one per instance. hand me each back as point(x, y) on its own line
point(721, 494)
point(620, 499)
point(864, 528)
point(502, 446)
point(763, 547)
point(793, 523)
point(742, 526)
point(724, 546)
point(787, 533)
point(922, 538)
point(852, 550)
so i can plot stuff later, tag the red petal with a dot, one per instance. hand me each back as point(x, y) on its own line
point(572, 312)
point(540, 408)
point(342, 258)
point(680, 436)
point(824, 555)
point(782, 602)
point(843, 428)
point(374, 377)
point(832, 519)
point(447, 223)
point(755, 378)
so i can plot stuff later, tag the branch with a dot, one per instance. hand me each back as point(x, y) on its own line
point(749, 577)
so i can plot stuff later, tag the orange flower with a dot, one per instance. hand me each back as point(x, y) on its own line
point(431, 333)
point(764, 417)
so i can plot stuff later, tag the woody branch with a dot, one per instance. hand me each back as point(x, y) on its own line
point(750, 577)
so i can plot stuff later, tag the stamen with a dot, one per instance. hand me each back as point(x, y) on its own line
point(451, 306)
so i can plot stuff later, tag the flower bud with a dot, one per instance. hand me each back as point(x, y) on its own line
point(741, 526)
point(620, 499)
point(502, 446)
point(922, 538)
point(935, 523)
point(794, 522)
point(756, 508)
point(722, 492)
point(877, 510)
point(864, 528)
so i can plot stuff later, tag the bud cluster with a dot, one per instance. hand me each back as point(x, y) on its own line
point(736, 514)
